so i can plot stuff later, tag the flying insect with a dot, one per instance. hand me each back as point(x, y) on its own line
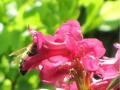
point(21, 55)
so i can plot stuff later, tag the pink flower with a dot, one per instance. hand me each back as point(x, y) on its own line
point(56, 55)
point(48, 46)
point(100, 84)
point(117, 56)
point(109, 69)
point(54, 69)
point(88, 51)
point(110, 66)
point(71, 28)
point(103, 84)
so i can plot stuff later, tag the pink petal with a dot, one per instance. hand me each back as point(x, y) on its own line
point(117, 45)
point(93, 47)
point(54, 70)
point(100, 85)
point(71, 44)
point(50, 42)
point(70, 86)
point(107, 68)
point(72, 28)
point(117, 56)
point(103, 84)
point(44, 53)
point(38, 38)
point(90, 63)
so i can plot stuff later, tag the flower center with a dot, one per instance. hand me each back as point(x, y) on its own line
point(81, 77)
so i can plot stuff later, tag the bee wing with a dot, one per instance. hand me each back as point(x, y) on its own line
point(18, 52)
point(17, 55)
point(16, 60)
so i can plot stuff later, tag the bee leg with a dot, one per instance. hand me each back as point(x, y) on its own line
point(23, 72)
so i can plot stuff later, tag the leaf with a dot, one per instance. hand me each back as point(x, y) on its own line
point(28, 82)
point(47, 86)
point(2, 76)
point(93, 9)
point(23, 85)
point(109, 25)
point(4, 45)
point(6, 85)
point(4, 64)
point(110, 15)
point(113, 83)
point(110, 11)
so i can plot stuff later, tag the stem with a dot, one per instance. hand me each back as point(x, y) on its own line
point(76, 78)
point(15, 81)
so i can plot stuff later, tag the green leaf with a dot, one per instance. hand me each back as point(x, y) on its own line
point(23, 85)
point(92, 15)
point(4, 64)
point(46, 86)
point(33, 78)
point(110, 15)
point(109, 25)
point(2, 76)
point(28, 82)
point(6, 85)
point(4, 45)
point(110, 11)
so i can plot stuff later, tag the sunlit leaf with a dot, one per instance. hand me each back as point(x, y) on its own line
point(2, 76)
point(4, 64)
point(92, 15)
point(110, 11)
point(6, 85)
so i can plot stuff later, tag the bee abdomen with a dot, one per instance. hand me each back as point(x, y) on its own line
point(30, 53)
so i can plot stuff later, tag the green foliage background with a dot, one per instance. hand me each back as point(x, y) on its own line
point(98, 18)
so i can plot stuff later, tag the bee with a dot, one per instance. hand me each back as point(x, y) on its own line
point(22, 54)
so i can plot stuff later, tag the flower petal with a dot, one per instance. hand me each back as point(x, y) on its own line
point(54, 70)
point(90, 63)
point(71, 28)
point(93, 46)
point(38, 38)
point(44, 53)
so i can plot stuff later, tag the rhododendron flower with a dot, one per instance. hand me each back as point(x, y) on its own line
point(54, 69)
point(66, 54)
point(109, 69)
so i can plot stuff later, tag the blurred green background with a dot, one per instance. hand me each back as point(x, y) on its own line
point(98, 18)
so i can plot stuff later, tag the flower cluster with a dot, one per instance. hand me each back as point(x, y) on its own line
point(71, 62)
